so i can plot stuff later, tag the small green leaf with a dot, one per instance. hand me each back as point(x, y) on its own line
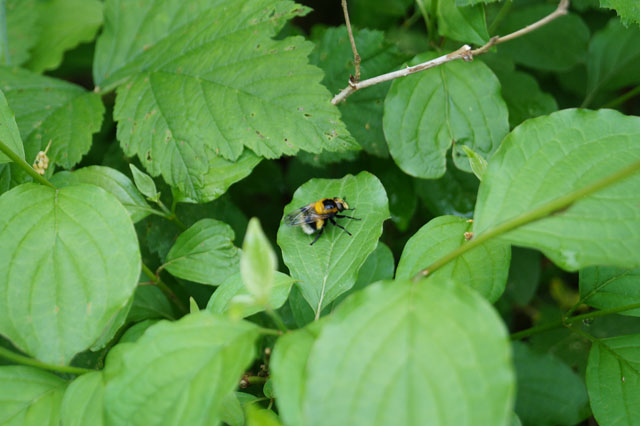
point(222, 299)
point(261, 417)
point(628, 10)
point(22, 30)
point(83, 401)
point(484, 268)
point(69, 262)
point(29, 396)
point(548, 157)
point(466, 24)
point(477, 163)
point(231, 411)
point(330, 267)
point(204, 253)
point(179, 372)
point(193, 306)
point(608, 287)
point(258, 263)
point(145, 184)
point(459, 104)
point(9, 133)
point(150, 302)
point(613, 380)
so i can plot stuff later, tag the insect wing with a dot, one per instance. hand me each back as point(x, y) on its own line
point(302, 215)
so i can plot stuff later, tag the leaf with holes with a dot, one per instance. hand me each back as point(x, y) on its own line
point(608, 287)
point(628, 10)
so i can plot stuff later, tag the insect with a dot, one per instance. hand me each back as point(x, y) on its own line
point(314, 217)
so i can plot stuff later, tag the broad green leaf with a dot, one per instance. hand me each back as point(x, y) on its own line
point(9, 133)
point(400, 189)
point(484, 268)
point(258, 263)
point(524, 275)
point(330, 267)
point(548, 157)
point(69, 262)
point(614, 58)
point(134, 332)
point(63, 25)
point(362, 111)
point(472, 2)
point(179, 372)
point(112, 181)
point(221, 175)
point(48, 109)
point(150, 302)
point(459, 104)
point(82, 402)
point(608, 287)
point(452, 194)
point(109, 331)
point(222, 299)
point(549, 392)
point(541, 49)
point(613, 380)
point(400, 352)
point(144, 183)
point(466, 24)
point(204, 253)
point(628, 10)
point(261, 417)
point(22, 30)
point(377, 13)
point(29, 396)
point(213, 81)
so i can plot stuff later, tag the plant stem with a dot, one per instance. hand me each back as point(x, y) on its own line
point(622, 98)
point(24, 165)
point(171, 216)
point(21, 359)
point(165, 288)
point(356, 56)
point(546, 209)
point(254, 380)
point(277, 319)
point(566, 321)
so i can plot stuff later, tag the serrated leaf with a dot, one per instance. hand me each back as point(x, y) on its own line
point(29, 396)
point(258, 263)
point(613, 380)
point(540, 49)
point(484, 269)
point(48, 109)
point(614, 58)
point(628, 10)
point(112, 181)
point(83, 401)
point(459, 104)
point(179, 372)
point(22, 30)
point(69, 262)
point(362, 111)
point(452, 194)
point(330, 267)
point(150, 302)
point(144, 183)
point(213, 82)
point(548, 157)
point(608, 287)
point(63, 25)
point(394, 362)
point(463, 23)
point(9, 133)
point(222, 299)
point(204, 253)
point(549, 392)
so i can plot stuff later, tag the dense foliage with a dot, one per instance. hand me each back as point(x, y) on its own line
point(491, 275)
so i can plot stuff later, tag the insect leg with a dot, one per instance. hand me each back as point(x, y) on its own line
point(348, 217)
point(340, 226)
point(317, 236)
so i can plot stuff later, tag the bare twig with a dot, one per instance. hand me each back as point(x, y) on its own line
point(465, 53)
point(356, 57)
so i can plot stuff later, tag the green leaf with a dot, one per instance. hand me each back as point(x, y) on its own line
point(69, 262)
point(9, 133)
point(478, 164)
point(549, 392)
point(134, 332)
point(613, 380)
point(48, 109)
point(214, 81)
point(330, 267)
point(377, 13)
point(150, 302)
point(362, 111)
point(22, 30)
point(459, 104)
point(222, 299)
point(82, 402)
point(540, 49)
point(179, 372)
point(29, 396)
point(144, 183)
point(399, 352)
point(466, 24)
point(548, 157)
point(204, 253)
point(402, 197)
point(608, 287)
point(112, 181)
point(524, 275)
point(109, 331)
point(472, 2)
point(258, 263)
point(63, 25)
point(231, 411)
point(453, 194)
point(614, 58)
point(484, 268)
point(261, 417)
point(628, 10)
